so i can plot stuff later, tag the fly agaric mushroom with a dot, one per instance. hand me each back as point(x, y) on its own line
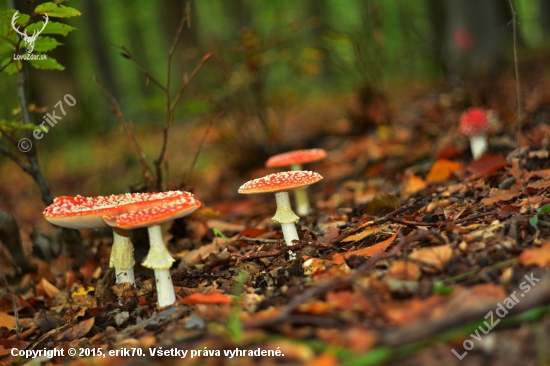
point(280, 183)
point(158, 258)
point(295, 159)
point(87, 213)
point(475, 125)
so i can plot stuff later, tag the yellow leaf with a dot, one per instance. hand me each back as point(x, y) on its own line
point(82, 291)
point(414, 184)
point(363, 234)
point(442, 170)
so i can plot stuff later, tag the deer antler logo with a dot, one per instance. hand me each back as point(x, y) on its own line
point(29, 40)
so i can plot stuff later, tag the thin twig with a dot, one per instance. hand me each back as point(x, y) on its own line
point(259, 241)
point(518, 101)
point(363, 224)
point(188, 79)
point(127, 54)
point(200, 146)
point(128, 127)
point(10, 294)
point(276, 253)
point(440, 223)
point(15, 159)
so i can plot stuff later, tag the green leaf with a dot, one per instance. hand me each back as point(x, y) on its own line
point(49, 64)
point(56, 11)
point(45, 44)
point(6, 47)
point(15, 125)
point(217, 232)
point(533, 221)
point(14, 66)
point(51, 28)
point(544, 209)
point(442, 289)
point(7, 15)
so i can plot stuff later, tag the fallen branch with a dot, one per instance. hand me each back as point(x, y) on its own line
point(440, 223)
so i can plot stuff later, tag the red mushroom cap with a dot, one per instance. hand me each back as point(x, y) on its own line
point(474, 122)
point(87, 212)
point(159, 212)
point(295, 157)
point(282, 181)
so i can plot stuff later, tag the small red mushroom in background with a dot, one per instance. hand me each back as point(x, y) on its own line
point(295, 159)
point(280, 184)
point(463, 39)
point(474, 124)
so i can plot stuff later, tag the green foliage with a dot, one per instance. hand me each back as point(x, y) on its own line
point(534, 221)
point(11, 43)
point(234, 323)
point(51, 28)
point(57, 10)
point(440, 288)
point(12, 126)
point(217, 232)
point(49, 64)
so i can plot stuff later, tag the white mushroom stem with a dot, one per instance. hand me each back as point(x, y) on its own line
point(160, 260)
point(303, 207)
point(286, 217)
point(122, 256)
point(478, 145)
point(165, 288)
point(301, 199)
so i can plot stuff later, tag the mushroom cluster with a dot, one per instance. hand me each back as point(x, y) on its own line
point(295, 159)
point(125, 212)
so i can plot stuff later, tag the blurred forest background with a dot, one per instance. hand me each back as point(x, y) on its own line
point(282, 72)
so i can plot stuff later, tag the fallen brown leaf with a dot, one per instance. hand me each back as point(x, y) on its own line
point(365, 252)
point(442, 170)
point(502, 195)
point(7, 320)
point(414, 184)
point(76, 331)
point(434, 256)
point(537, 256)
point(486, 165)
point(404, 270)
point(50, 289)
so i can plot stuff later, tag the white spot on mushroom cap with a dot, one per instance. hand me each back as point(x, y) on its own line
point(87, 212)
point(157, 214)
point(281, 181)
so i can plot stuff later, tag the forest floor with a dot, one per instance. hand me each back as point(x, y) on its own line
point(412, 255)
